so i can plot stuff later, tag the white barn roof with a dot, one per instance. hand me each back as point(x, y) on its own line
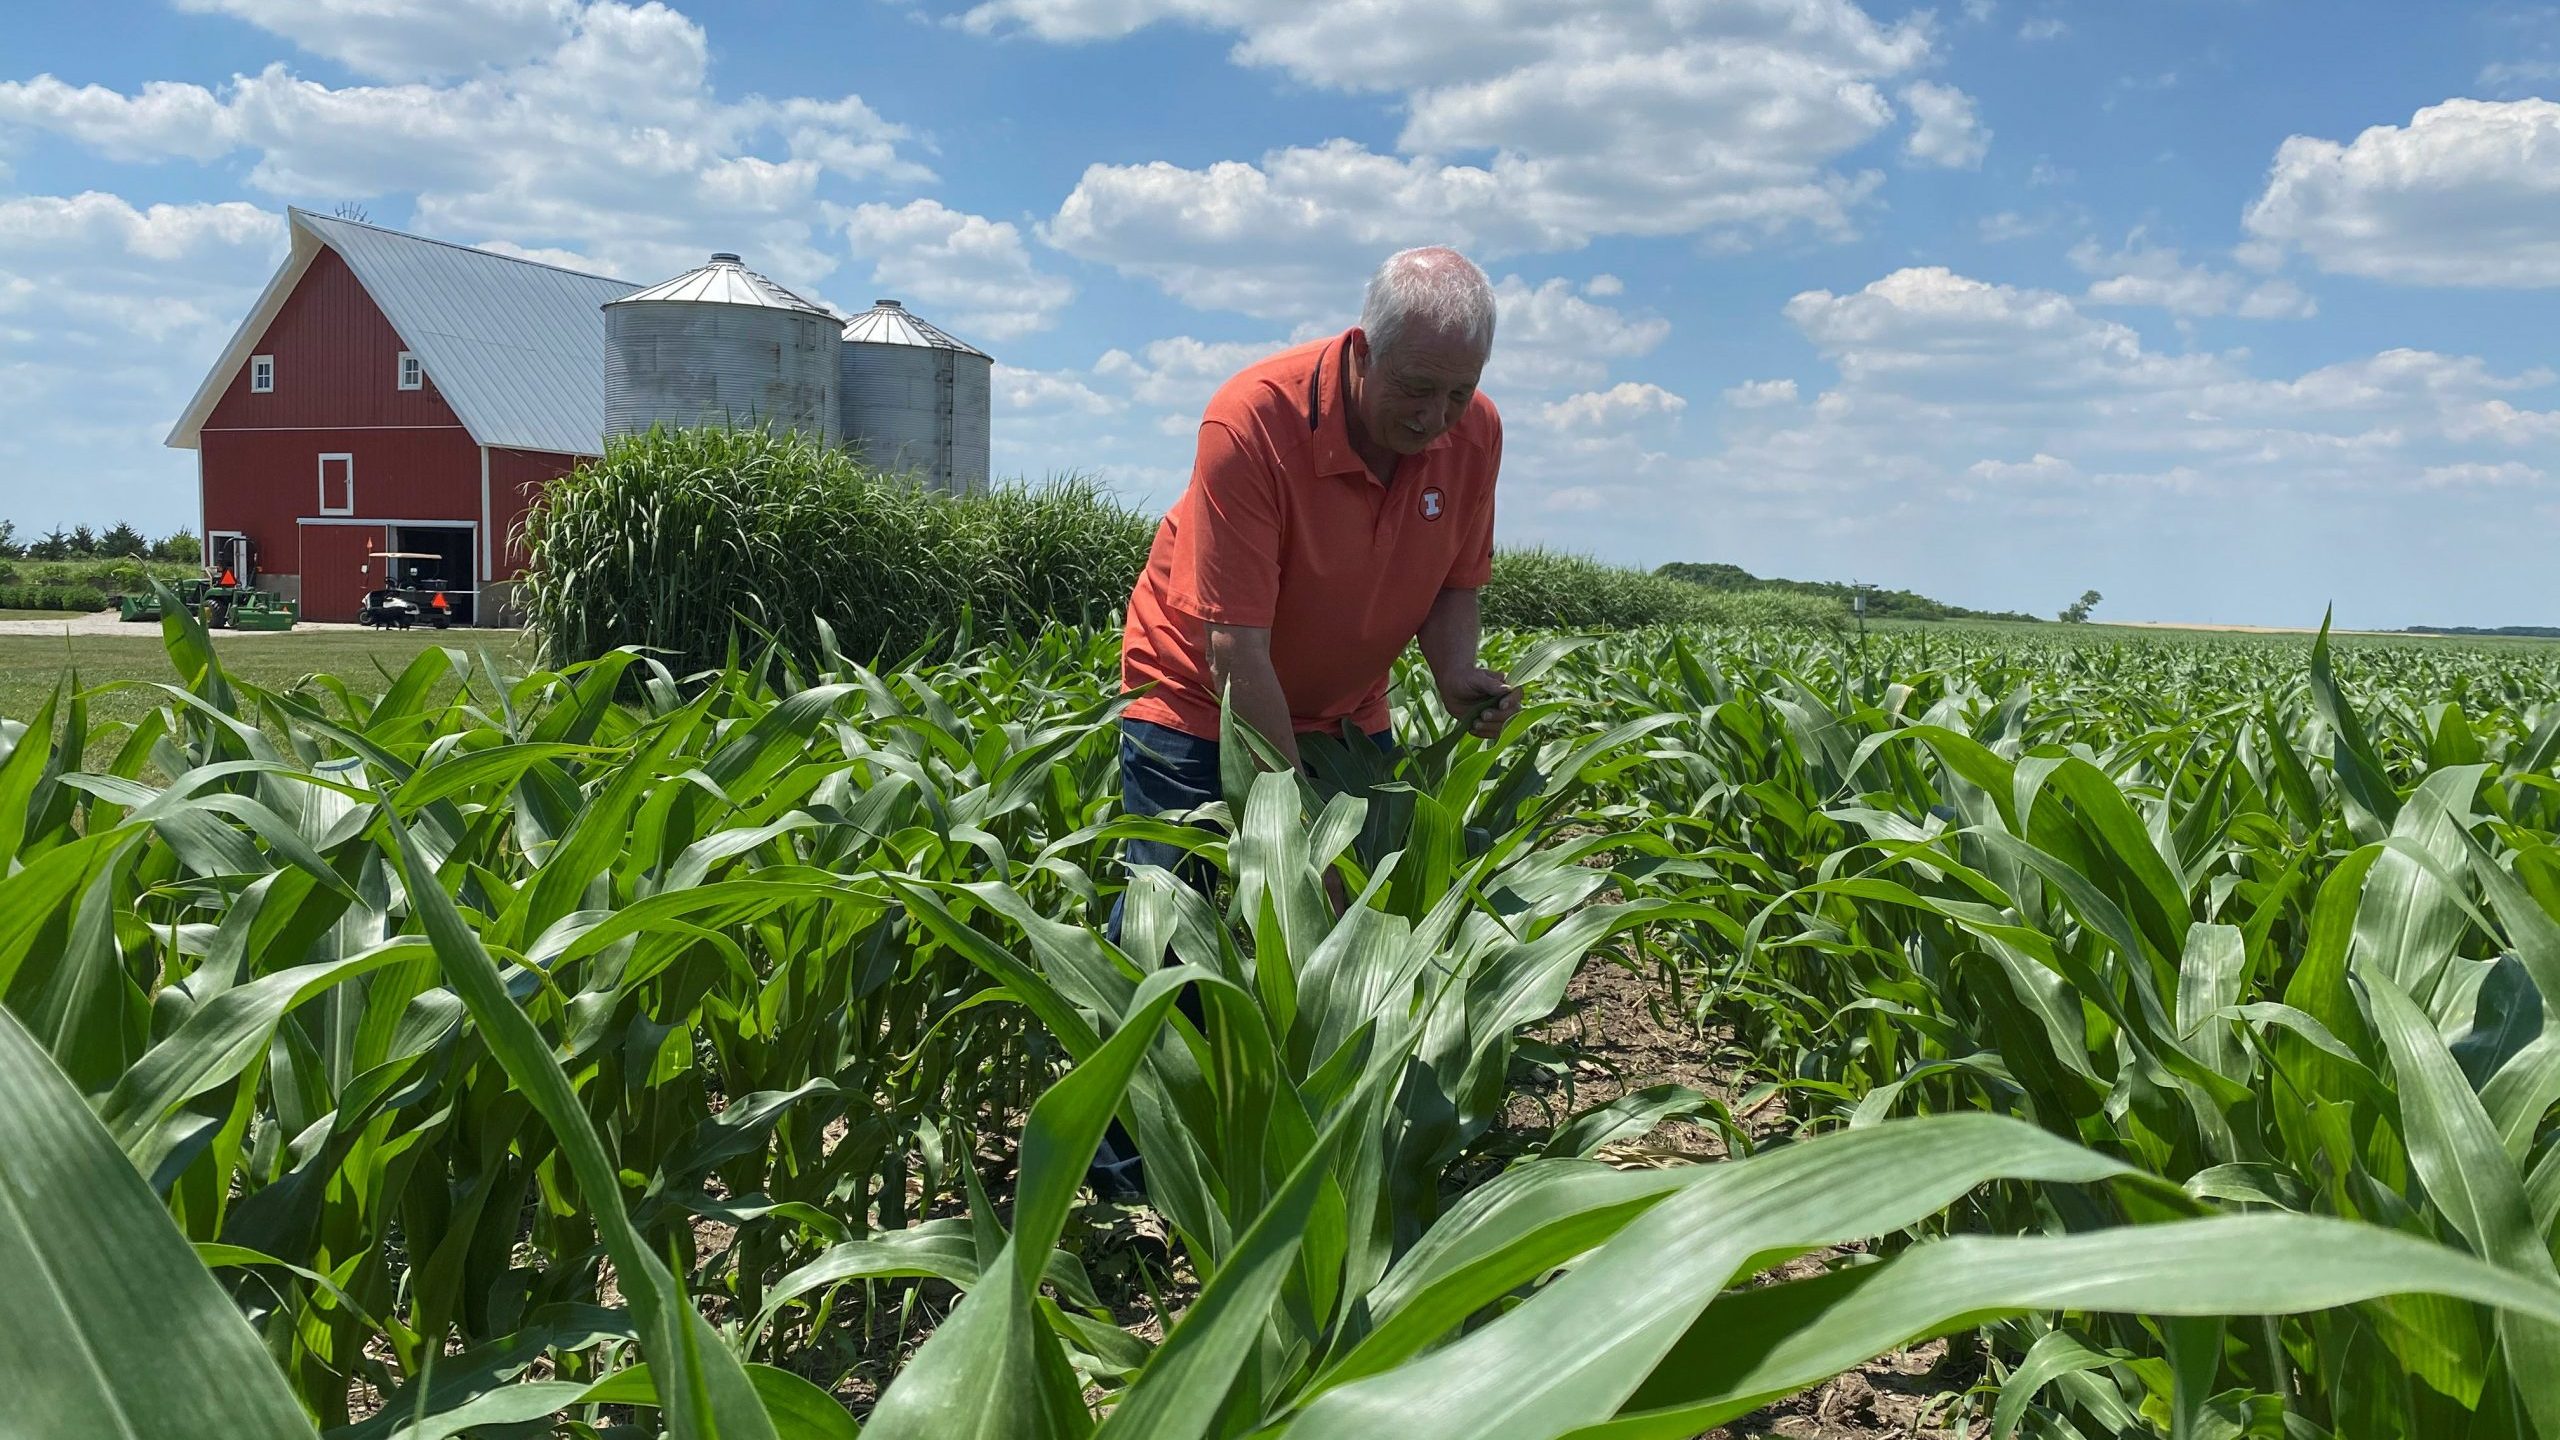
point(515, 346)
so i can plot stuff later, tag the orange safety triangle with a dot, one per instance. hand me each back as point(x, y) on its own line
point(227, 580)
point(438, 602)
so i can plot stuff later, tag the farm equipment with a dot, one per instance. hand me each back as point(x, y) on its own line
point(146, 605)
point(399, 606)
point(226, 597)
point(260, 610)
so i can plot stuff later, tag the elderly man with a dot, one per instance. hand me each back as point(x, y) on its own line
point(1341, 507)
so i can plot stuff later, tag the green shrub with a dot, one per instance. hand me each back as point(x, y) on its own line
point(76, 598)
point(98, 577)
point(1550, 589)
point(675, 537)
point(1882, 604)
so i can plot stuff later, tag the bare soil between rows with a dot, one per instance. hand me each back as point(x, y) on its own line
point(1625, 1030)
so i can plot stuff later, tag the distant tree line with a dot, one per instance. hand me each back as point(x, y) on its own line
point(119, 542)
point(2532, 632)
point(1881, 604)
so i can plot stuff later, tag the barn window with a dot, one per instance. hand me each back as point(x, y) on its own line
point(412, 374)
point(262, 374)
point(337, 484)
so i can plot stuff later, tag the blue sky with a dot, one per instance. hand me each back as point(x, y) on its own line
point(2230, 309)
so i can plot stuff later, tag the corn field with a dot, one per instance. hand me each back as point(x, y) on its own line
point(2175, 1024)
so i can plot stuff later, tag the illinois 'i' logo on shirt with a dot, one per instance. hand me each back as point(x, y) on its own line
point(1431, 504)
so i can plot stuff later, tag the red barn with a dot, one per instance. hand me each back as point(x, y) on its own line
point(391, 392)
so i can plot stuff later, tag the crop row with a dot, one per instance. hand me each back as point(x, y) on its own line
point(615, 1049)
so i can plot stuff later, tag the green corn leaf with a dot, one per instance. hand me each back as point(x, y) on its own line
point(1576, 1351)
point(2458, 1156)
point(115, 1328)
point(1759, 1345)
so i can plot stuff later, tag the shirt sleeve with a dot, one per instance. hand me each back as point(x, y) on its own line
point(1233, 515)
point(1473, 567)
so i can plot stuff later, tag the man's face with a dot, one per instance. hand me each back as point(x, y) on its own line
point(1409, 398)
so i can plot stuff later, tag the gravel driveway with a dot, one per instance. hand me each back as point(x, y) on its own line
point(104, 622)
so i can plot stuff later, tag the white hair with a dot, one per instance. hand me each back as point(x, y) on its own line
point(1433, 288)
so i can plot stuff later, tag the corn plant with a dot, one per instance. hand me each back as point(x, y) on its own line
point(574, 1049)
point(241, 965)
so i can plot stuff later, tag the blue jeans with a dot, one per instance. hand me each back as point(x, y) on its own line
point(1163, 769)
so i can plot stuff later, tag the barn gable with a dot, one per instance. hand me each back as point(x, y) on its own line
point(336, 365)
point(516, 348)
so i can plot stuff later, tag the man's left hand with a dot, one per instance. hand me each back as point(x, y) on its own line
point(1487, 695)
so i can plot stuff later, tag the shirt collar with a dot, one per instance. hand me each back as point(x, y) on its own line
point(1328, 411)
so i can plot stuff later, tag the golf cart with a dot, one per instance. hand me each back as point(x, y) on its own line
point(397, 605)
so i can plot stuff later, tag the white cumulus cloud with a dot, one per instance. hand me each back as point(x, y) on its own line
point(2039, 469)
point(2474, 473)
point(1945, 129)
point(1761, 394)
point(163, 120)
point(1527, 129)
point(966, 273)
point(1021, 392)
point(2142, 274)
point(612, 142)
point(104, 305)
point(2467, 193)
point(1551, 338)
point(1623, 403)
point(407, 40)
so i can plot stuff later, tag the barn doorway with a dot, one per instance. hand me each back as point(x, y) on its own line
point(452, 547)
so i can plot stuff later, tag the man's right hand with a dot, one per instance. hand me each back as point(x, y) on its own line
point(1482, 700)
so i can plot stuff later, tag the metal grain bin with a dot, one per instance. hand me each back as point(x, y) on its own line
point(720, 345)
point(916, 399)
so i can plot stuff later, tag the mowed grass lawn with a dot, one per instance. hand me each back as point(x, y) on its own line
point(30, 666)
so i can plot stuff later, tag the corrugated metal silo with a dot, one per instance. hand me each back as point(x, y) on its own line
point(916, 399)
point(720, 345)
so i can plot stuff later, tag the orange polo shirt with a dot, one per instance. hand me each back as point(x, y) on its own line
point(1284, 527)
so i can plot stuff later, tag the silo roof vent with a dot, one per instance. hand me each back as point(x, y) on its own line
point(725, 280)
point(889, 322)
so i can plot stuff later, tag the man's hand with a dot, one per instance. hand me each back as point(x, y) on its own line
point(1482, 700)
